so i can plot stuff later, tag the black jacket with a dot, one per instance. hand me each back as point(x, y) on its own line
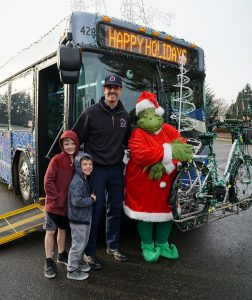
point(105, 132)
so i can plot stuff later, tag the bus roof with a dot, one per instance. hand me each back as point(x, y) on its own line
point(45, 47)
point(81, 25)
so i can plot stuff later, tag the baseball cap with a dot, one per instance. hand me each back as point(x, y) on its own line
point(113, 80)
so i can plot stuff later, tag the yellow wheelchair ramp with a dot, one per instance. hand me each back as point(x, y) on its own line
point(20, 222)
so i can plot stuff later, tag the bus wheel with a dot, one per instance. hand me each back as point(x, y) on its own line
point(24, 178)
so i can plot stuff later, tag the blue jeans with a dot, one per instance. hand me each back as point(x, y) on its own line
point(108, 183)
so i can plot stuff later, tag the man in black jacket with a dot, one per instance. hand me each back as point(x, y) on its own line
point(105, 128)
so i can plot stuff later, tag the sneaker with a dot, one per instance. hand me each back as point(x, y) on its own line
point(77, 275)
point(50, 268)
point(118, 255)
point(93, 262)
point(83, 267)
point(62, 258)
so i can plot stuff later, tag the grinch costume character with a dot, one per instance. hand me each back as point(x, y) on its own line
point(155, 147)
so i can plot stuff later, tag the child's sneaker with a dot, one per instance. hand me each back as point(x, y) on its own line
point(50, 268)
point(77, 275)
point(62, 258)
point(83, 267)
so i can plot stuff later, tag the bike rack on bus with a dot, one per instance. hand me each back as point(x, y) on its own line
point(213, 214)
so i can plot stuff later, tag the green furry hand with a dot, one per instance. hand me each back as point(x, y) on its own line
point(181, 151)
point(156, 171)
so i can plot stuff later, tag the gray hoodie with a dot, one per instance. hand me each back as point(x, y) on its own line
point(79, 204)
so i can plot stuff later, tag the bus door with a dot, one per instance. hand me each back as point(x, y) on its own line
point(50, 117)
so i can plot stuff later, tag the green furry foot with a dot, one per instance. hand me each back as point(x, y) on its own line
point(168, 251)
point(150, 254)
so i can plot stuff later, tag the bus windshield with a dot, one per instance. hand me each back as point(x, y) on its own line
point(137, 74)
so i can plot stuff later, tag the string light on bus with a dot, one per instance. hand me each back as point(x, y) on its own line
point(106, 19)
point(193, 45)
point(155, 33)
point(168, 38)
point(142, 29)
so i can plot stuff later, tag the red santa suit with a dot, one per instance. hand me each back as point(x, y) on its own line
point(146, 199)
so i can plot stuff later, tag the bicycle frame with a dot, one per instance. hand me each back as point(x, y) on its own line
point(201, 197)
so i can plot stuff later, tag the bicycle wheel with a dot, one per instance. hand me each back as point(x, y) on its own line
point(241, 183)
point(185, 188)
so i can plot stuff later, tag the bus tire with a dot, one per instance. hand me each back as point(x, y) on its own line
point(25, 178)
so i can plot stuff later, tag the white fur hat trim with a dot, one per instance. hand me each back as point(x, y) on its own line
point(145, 104)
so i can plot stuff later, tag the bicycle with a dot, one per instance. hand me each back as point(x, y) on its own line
point(198, 195)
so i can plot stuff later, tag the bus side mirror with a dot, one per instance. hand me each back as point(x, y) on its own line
point(69, 63)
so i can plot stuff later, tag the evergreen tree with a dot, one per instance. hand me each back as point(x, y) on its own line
point(242, 108)
point(211, 108)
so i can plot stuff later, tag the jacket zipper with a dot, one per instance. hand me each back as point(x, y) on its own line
point(113, 118)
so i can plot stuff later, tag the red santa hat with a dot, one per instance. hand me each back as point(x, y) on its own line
point(148, 100)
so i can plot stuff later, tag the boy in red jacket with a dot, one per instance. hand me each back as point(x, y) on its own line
point(58, 176)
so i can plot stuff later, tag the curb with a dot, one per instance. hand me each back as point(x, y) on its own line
point(224, 139)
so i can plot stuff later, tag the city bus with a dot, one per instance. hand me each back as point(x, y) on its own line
point(39, 98)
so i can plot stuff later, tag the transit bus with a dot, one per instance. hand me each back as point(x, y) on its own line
point(37, 101)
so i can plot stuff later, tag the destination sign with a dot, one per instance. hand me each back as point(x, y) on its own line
point(122, 39)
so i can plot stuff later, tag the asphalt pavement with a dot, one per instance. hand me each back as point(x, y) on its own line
point(215, 263)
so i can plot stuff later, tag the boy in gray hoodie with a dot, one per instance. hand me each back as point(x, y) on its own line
point(79, 211)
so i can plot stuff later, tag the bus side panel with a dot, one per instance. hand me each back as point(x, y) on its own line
point(5, 157)
point(23, 141)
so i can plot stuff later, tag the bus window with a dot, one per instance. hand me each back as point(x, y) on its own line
point(22, 102)
point(137, 76)
point(4, 106)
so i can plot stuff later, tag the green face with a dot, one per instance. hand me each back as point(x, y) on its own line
point(149, 121)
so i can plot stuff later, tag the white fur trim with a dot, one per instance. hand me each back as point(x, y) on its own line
point(159, 111)
point(142, 105)
point(167, 160)
point(167, 153)
point(147, 216)
point(169, 168)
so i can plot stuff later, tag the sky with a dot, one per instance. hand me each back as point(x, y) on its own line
point(222, 28)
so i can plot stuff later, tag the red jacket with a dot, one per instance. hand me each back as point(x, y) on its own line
point(58, 176)
point(146, 199)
